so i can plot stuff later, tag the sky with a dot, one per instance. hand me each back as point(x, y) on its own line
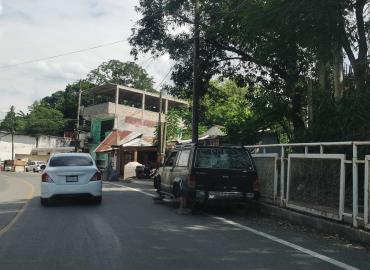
point(41, 28)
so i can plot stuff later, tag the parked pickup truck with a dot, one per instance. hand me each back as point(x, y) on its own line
point(202, 173)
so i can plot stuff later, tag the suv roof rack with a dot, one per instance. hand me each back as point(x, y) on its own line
point(190, 145)
point(185, 145)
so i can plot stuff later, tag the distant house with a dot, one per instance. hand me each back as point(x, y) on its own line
point(213, 136)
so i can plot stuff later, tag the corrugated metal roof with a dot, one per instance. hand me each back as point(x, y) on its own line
point(112, 139)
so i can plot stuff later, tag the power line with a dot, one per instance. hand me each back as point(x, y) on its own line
point(106, 44)
point(165, 77)
point(62, 54)
point(151, 60)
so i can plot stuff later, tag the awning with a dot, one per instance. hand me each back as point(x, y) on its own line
point(121, 139)
point(112, 139)
point(134, 139)
point(138, 142)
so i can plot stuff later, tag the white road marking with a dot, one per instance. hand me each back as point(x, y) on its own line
point(286, 243)
point(266, 235)
point(9, 211)
point(134, 189)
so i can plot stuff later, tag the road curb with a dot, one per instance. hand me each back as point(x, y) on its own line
point(321, 224)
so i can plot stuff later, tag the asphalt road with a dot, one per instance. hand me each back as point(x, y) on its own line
point(129, 231)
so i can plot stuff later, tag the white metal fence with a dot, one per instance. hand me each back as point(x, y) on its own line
point(267, 165)
point(329, 179)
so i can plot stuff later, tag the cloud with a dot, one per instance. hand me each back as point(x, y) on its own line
point(39, 28)
point(69, 71)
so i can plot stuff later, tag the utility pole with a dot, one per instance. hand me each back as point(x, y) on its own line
point(12, 128)
point(160, 131)
point(196, 79)
point(77, 133)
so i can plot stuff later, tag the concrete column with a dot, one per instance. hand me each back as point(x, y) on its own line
point(142, 112)
point(135, 155)
point(116, 107)
point(143, 102)
point(166, 106)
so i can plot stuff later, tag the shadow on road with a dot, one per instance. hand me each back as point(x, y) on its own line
point(70, 202)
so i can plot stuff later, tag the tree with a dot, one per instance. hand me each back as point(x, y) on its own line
point(44, 120)
point(124, 73)
point(261, 53)
point(173, 126)
point(277, 45)
point(66, 101)
point(225, 104)
point(9, 122)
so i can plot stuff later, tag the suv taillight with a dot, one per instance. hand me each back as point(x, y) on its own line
point(96, 177)
point(46, 178)
point(192, 181)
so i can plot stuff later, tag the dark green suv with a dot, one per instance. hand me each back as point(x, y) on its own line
point(204, 173)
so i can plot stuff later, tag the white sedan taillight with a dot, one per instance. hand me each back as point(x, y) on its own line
point(46, 178)
point(96, 177)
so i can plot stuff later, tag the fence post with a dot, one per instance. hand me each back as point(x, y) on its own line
point(282, 176)
point(366, 192)
point(354, 186)
point(306, 150)
point(321, 149)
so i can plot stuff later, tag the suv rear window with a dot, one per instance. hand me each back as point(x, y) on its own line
point(70, 161)
point(223, 158)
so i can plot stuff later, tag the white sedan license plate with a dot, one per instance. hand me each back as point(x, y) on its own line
point(71, 178)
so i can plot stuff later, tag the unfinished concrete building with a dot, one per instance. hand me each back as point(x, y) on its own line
point(126, 110)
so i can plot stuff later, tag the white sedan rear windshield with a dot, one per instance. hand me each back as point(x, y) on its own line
point(70, 161)
point(223, 158)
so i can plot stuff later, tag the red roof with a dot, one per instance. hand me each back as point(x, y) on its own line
point(112, 139)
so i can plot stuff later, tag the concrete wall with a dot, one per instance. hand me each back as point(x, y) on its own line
point(134, 119)
point(99, 110)
point(24, 144)
point(51, 141)
point(128, 118)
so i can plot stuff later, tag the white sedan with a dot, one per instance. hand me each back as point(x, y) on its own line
point(71, 174)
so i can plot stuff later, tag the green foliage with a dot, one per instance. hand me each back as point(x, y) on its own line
point(346, 120)
point(44, 120)
point(226, 102)
point(9, 122)
point(113, 71)
point(13, 121)
point(123, 73)
point(275, 47)
point(263, 53)
point(66, 101)
point(186, 127)
point(173, 122)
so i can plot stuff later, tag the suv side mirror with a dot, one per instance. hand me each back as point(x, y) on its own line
point(42, 167)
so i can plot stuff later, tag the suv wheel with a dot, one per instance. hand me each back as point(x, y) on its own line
point(176, 190)
point(44, 201)
point(157, 183)
point(97, 200)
